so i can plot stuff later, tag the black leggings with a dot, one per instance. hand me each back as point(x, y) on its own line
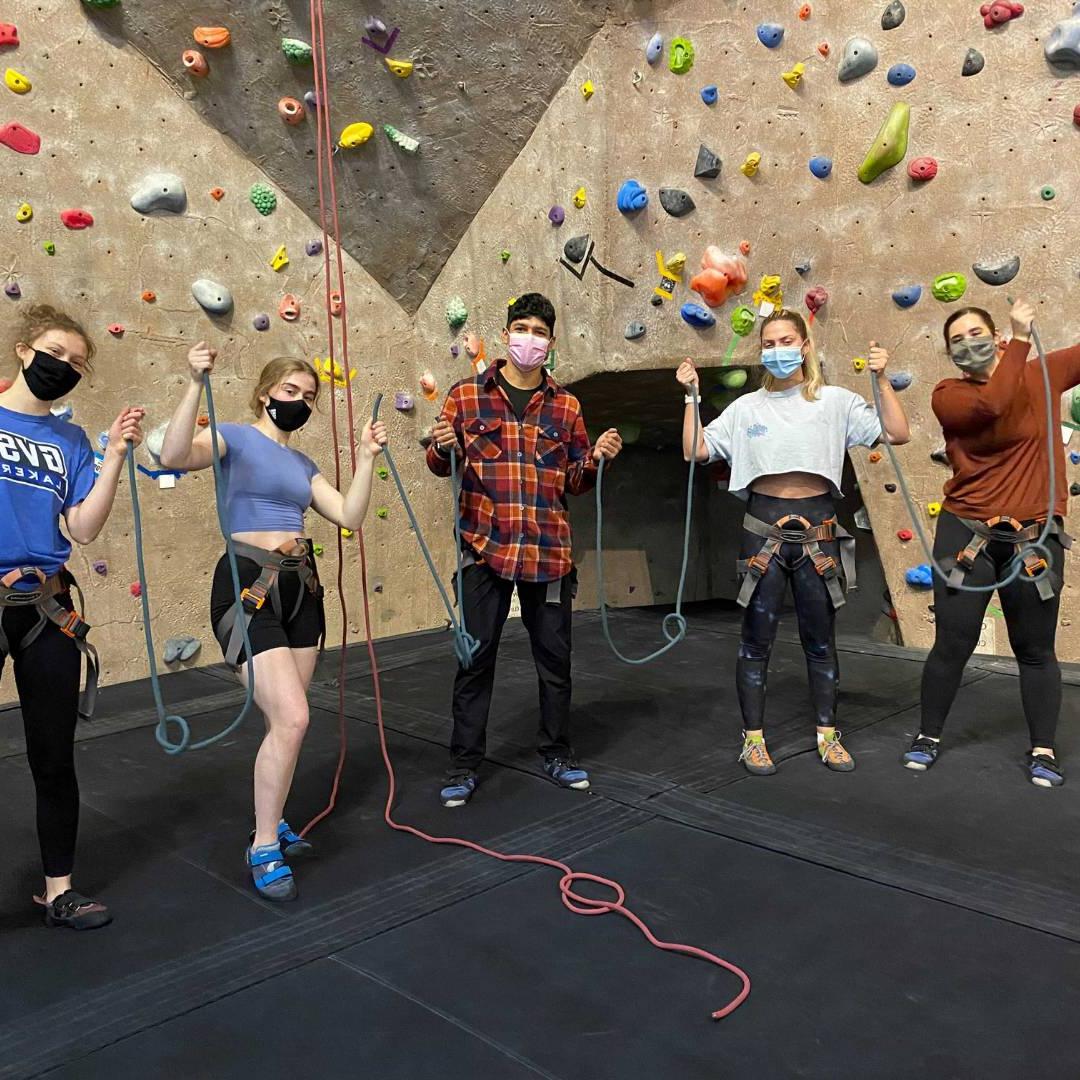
point(813, 610)
point(1030, 621)
point(47, 677)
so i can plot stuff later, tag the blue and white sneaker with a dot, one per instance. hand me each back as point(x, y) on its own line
point(1045, 771)
point(459, 789)
point(567, 774)
point(923, 754)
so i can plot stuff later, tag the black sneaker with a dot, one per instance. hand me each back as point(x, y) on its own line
point(922, 755)
point(1045, 771)
point(75, 911)
point(458, 789)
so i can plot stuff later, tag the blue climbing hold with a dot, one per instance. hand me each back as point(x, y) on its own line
point(698, 316)
point(821, 166)
point(900, 74)
point(900, 380)
point(709, 94)
point(921, 577)
point(907, 295)
point(1074, 457)
point(770, 35)
point(654, 48)
point(632, 197)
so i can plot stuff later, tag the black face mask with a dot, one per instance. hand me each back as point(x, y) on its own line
point(48, 378)
point(288, 415)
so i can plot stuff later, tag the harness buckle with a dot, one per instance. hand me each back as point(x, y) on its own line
point(255, 595)
point(758, 564)
point(824, 564)
point(1034, 564)
point(74, 626)
point(967, 558)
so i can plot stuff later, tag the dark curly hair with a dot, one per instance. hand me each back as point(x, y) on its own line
point(532, 304)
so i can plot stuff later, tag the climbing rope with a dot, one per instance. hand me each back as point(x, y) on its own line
point(161, 732)
point(674, 623)
point(1036, 547)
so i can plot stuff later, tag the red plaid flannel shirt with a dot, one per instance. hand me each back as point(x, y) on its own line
point(517, 474)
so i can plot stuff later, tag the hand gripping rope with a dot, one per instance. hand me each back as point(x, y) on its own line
point(674, 623)
point(161, 733)
point(1036, 547)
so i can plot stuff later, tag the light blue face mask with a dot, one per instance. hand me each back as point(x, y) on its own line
point(782, 362)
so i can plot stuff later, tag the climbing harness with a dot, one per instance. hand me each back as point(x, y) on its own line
point(673, 625)
point(161, 733)
point(838, 579)
point(50, 610)
point(1009, 531)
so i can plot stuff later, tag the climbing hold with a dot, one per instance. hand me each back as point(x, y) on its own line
point(743, 320)
point(299, 52)
point(456, 312)
point(631, 197)
point(922, 168)
point(1074, 489)
point(933, 509)
point(355, 135)
point(907, 295)
point(401, 68)
point(676, 201)
point(860, 58)
point(556, 215)
point(823, 49)
point(708, 164)
point(203, 419)
point(587, 89)
point(816, 298)
point(474, 346)
point(217, 194)
point(920, 577)
point(291, 110)
point(1047, 193)
point(318, 550)
point(769, 292)
point(289, 308)
point(374, 25)
point(20, 139)
point(428, 387)
point(116, 329)
point(261, 322)
point(382, 472)
point(750, 166)
point(999, 273)
point(18, 84)
point(1074, 457)
point(697, 316)
point(12, 290)
point(893, 16)
point(382, 512)
point(213, 298)
point(744, 247)
point(654, 48)
point(949, 287)
point(904, 535)
point(403, 402)
point(63, 412)
point(212, 37)
point(940, 455)
point(181, 648)
point(313, 247)
point(160, 191)
point(148, 296)
point(576, 247)
point(802, 268)
point(805, 12)
point(1076, 115)
point(794, 76)
point(974, 62)
point(330, 371)
point(771, 35)
point(1063, 45)
point(900, 380)
point(48, 247)
point(100, 566)
point(900, 74)
point(311, 99)
point(821, 167)
point(77, 219)
point(135, 588)
point(889, 146)
point(734, 379)
point(401, 140)
point(997, 14)
point(859, 363)
point(874, 457)
point(709, 94)
point(579, 198)
point(890, 488)
point(280, 259)
point(263, 198)
point(634, 331)
point(681, 57)
point(9, 35)
point(721, 276)
point(195, 63)
point(505, 255)
point(24, 213)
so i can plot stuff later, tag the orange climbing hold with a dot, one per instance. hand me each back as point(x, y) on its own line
point(149, 296)
point(289, 308)
point(744, 246)
point(290, 110)
point(204, 420)
point(823, 48)
point(212, 37)
point(335, 303)
point(875, 457)
point(195, 63)
point(721, 276)
point(217, 194)
point(805, 12)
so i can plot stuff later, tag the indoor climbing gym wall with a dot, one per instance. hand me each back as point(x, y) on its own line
point(873, 166)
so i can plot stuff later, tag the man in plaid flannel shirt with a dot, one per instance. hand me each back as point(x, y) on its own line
point(523, 447)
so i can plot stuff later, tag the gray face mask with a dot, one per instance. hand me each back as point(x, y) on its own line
point(973, 354)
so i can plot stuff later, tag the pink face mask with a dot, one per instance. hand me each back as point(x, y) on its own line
point(527, 351)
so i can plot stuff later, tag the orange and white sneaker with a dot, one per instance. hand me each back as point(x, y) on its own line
point(755, 757)
point(833, 754)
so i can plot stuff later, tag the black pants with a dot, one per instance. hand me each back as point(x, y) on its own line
point(47, 677)
point(486, 601)
point(1030, 621)
point(813, 610)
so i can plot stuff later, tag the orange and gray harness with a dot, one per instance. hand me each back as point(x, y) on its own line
point(296, 558)
point(1017, 534)
point(50, 610)
point(795, 529)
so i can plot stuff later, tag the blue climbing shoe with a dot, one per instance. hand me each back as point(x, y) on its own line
point(567, 774)
point(292, 844)
point(1045, 771)
point(459, 788)
point(270, 873)
point(923, 754)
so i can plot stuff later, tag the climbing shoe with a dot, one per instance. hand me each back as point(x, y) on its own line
point(74, 911)
point(1045, 771)
point(270, 873)
point(567, 774)
point(292, 844)
point(459, 789)
point(755, 757)
point(833, 754)
point(922, 755)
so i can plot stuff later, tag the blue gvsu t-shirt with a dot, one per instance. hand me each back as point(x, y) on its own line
point(46, 467)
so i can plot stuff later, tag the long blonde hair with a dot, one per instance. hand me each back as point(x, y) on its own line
point(813, 379)
point(279, 368)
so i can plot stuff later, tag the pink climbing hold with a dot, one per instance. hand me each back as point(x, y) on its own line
point(77, 219)
point(816, 298)
point(8, 34)
point(1076, 116)
point(999, 13)
point(20, 139)
point(923, 168)
point(116, 329)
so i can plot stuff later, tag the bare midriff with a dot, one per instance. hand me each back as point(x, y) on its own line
point(268, 540)
point(791, 485)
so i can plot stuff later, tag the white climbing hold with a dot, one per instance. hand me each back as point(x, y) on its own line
point(160, 191)
point(213, 298)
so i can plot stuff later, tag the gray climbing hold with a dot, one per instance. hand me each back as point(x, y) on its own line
point(676, 201)
point(940, 455)
point(160, 191)
point(802, 268)
point(1063, 45)
point(313, 247)
point(574, 248)
point(181, 648)
point(654, 48)
point(261, 322)
point(860, 58)
point(213, 298)
point(634, 331)
point(999, 273)
point(900, 380)
point(374, 25)
point(894, 16)
point(974, 62)
point(708, 164)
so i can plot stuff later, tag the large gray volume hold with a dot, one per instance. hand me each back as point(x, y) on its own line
point(160, 191)
point(860, 58)
point(999, 273)
point(213, 298)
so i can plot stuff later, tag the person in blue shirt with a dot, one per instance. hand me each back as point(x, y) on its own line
point(47, 473)
point(268, 487)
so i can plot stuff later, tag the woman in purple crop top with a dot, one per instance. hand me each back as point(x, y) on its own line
point(269, 486)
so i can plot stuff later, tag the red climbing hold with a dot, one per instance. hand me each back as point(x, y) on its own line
point(923, 168)
point(8, 34)
point(135, 588)
point(20, 139)
point(77, 219)
point(1001, 12)
point(116, 329)
point(816, 298)
point(904, 535)
point(1076, 116)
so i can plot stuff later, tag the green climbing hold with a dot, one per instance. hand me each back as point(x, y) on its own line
point(49, 247)
point(299, 52)
point(263, 198)
point(401, 140)
point(889, 146)
point(949, 287)
point(456, 312)
point(382, 513)
point(1047, 193)
point(743, 320)
point(382, 472)
point(734, 379)
point(1074, 405)
point(505, 255)
point(681, 59)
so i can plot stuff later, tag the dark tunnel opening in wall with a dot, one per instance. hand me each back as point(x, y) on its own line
point(645, 503)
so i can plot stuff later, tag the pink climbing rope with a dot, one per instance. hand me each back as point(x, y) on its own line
point(571, 899)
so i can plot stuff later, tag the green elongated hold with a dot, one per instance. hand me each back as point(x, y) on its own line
point(889, 146)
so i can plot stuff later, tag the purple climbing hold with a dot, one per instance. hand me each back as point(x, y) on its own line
point(455, 351)
point(403, 402)
point(12, 289)
point(261, 322)
point(770, 35)
point(311, 99)
point(556, 215)
point(100, 566)
point(313, 247)
point(821, 166)
point(709, 94)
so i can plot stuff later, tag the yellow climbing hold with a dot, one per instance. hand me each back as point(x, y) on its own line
point(331, 371)
point(24, 213)
point(401, 68)
point(587, 89)
point(794, 76)
point(346, 533)
point(280, 259)
point(355, 135)
point(579, 197)
point(20, 84)
point(859, 363)
point(933, 508)
point(676, 264)
point(769, 292)
point(750, 166)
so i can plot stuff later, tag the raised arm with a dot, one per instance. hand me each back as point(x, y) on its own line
point(688, 379)
point(181, 448)
point(350, 509)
